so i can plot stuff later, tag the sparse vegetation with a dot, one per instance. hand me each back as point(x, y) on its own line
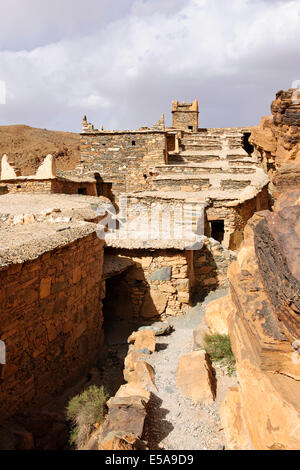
point(219, 349)
point(85, 411)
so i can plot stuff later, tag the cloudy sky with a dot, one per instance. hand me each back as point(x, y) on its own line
point(122, 62)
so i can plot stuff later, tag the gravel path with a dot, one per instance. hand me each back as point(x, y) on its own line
point(175, 422)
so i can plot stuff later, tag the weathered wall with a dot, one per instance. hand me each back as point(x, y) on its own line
point(210, 266)
point(58, 186)
point(51, 322)
point(118, 155)
point(160, 284)
point(263, 325)
point(185, 115)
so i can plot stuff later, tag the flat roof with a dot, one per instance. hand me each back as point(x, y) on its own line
point(27, 242)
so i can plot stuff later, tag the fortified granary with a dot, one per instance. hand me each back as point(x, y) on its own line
point(136, 235)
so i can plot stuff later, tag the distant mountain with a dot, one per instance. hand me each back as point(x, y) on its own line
point(27, 146)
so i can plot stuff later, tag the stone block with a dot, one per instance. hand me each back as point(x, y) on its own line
point(195, 377)
point(163, 274)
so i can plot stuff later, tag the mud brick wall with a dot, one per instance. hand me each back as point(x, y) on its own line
point(160, 284)
point(51, 323)
point(119, 157)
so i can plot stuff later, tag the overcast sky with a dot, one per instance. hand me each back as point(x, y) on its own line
point(122, 62)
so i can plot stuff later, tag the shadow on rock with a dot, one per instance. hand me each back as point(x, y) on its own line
point(156, 428)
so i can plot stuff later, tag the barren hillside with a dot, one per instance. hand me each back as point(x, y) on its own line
point(27, 146)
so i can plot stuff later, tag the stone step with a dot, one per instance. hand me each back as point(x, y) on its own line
point(198, 169)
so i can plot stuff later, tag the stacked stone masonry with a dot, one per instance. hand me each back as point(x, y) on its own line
point(51, 322)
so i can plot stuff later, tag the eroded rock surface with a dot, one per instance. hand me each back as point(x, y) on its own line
point(264, 286)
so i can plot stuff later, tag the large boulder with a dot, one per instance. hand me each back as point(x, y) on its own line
point(124, 425)
point(143, 340)
point(195, 377)
point(263, 326)
point(216, 315)
point(133, 389)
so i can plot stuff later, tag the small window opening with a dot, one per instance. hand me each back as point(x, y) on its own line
point(82, 191)
point(217, 230)
point(133, 143)
point(191, 128)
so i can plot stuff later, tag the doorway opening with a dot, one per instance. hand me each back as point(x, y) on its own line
point(246, 144)
point(217, 230)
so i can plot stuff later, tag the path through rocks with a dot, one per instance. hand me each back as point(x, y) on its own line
point(175, 422)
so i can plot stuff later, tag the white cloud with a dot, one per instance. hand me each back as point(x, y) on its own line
point(232, 55)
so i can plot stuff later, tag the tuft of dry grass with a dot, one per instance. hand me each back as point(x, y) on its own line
point(84, 412)
point(219, 349)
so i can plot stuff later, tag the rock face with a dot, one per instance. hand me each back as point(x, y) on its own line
point(263, 325)
point(216, 315)
point(195, 378)
point(277, 139)
point(235, 432)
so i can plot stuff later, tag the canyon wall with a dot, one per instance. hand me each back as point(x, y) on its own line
point(264, 323)
point(277, 139)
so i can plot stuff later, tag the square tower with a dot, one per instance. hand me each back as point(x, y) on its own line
point(185, 115)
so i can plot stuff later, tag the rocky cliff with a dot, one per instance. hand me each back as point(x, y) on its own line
point(264, 320)
point(277, 139)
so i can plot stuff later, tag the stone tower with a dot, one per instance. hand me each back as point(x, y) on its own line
point(185, 115)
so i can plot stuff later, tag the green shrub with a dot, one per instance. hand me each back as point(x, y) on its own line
point(219, 349)
point(84, 411)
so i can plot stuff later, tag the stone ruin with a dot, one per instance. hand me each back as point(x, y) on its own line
point(56, 314)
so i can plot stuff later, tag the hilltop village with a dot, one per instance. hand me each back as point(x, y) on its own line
point(145, 229)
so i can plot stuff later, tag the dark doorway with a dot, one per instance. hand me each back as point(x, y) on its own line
point(246, 144)
point(217, 230)
point(82, 191)
point(103, 188)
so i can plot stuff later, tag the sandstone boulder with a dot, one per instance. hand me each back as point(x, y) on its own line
point(264, 287)
point(216, 315)
point(143, 374)
point(124, 425)
point(144, 339)
point(236, 434)
point(133, 389)
point(195, 377)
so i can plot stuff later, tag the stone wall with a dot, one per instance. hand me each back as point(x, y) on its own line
point(51, 322)
point(57, 185)
point(236, 217)
point(160, 284)
point(185, 115)
point(119, 157)
point(210, 267)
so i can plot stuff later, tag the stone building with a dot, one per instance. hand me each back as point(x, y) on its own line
point(46, 180)
point(74, 281)
point(215, 167)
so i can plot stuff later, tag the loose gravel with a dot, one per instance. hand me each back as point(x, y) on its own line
point(174, 421)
